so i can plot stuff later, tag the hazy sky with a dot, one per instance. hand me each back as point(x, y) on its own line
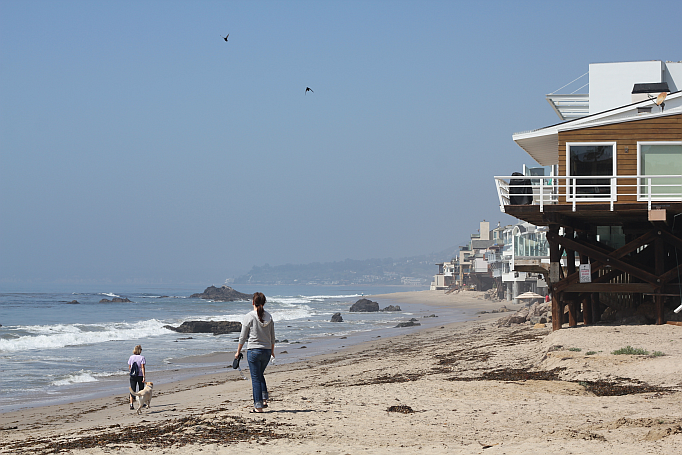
point(136, 144)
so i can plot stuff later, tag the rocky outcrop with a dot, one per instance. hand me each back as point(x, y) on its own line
point(537, 313)
point(222, 294)
point(336, 317)
point(409, 323)
point(73, 302)
point(364, 306)
point(392, 308)
point(214, 327)
point(115, 300)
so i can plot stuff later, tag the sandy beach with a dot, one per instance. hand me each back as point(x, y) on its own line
point(469, 387)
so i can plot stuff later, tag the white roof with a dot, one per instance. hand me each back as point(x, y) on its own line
point(543, 144)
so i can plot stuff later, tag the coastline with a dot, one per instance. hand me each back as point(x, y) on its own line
point(339, 402)
point(182, 367)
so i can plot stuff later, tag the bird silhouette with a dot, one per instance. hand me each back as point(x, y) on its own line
point(225, 37)
point(308, 89)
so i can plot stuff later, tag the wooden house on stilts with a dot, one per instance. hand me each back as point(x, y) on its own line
point(613, 205)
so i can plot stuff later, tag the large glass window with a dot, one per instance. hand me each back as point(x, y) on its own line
point(656, 159)
point(531, 244)
point(591, 159)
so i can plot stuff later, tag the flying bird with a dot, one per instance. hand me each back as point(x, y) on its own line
point(308, 89)
point(225, 37)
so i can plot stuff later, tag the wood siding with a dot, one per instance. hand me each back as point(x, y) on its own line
point(625, 135)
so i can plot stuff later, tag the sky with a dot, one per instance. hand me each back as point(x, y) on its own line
point(136, 145)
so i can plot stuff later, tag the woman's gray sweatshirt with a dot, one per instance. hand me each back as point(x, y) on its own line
point(260, 335)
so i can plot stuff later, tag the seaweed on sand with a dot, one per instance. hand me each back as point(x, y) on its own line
point(174, 433)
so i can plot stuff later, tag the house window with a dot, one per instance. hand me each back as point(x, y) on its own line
point(661, 165)
point(587, 160)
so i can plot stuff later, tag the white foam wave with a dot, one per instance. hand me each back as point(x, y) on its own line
point(62, 335)
point(78, 378)
point(217, 317)
point(327, 297)
point(309, 298)
point(288, 314)
point(109, 294)
point(290, 300)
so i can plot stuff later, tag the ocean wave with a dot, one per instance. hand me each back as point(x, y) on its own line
point(329, 297)
point(78, 378)
point(283, 313)
point(62, 335)
point(310, 298)
point(288, 314)
point(290, 301)
point(109, 294)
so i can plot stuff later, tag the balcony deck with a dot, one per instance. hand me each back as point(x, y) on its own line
point(571, 201)
point(629, 215)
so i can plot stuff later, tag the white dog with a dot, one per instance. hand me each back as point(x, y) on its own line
point(144, 396)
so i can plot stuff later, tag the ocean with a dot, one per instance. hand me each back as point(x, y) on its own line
point(51, 350)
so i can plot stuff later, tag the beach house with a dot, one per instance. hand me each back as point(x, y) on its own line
point(493, 259)
point(612, 199)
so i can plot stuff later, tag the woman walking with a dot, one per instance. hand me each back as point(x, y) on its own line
point(259, 329)
point(136, 364)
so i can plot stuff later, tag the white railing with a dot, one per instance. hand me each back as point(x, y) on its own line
point(586, 189)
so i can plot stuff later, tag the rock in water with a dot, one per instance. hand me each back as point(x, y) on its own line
point(364, 306)
point(214, 327)
point(115, 300)
point(222, 294)
point(392, 308)
point(336, 317)
point(409, 323)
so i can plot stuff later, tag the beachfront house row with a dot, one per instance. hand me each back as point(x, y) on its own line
point(489, 261)
point(612, 199)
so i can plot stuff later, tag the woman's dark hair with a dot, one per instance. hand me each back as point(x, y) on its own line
point(259, 301)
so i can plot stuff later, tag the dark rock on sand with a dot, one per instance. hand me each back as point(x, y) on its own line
point(534, 314)
point(392, 308)
point(409, 323)
point(115, 300)
point(214, 327)
point(364, 306)
point(336, 317)
point(222, 294)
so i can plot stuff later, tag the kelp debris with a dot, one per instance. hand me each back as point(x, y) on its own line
point(178, 432)
point(610, 389)
point(401, 408)
point(514, 374)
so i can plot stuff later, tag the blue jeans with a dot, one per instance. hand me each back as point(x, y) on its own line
point(258, 359)
point(136, 381)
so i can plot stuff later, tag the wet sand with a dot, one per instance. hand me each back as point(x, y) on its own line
point(468, 387)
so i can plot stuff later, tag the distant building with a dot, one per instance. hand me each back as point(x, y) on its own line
point(524, 245)
point(488, 261)
point(411, 281)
